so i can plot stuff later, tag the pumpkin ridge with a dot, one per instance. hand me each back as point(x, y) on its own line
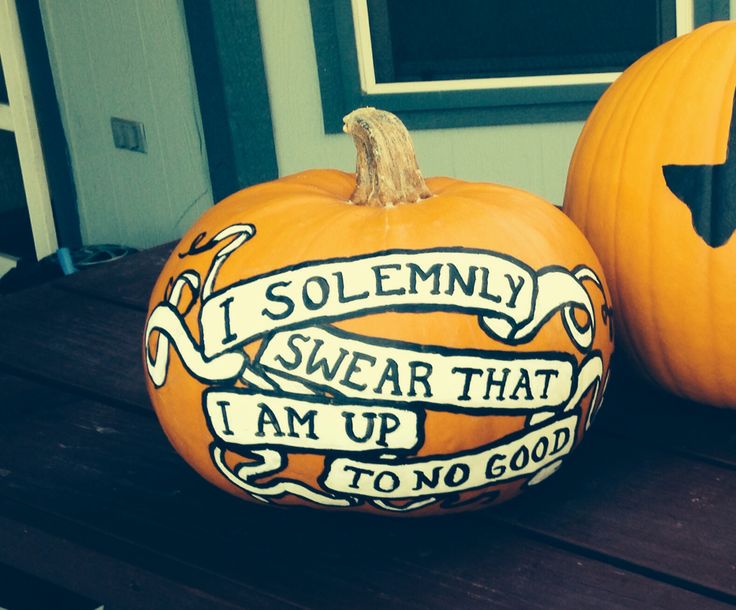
point(658, 297)
point(635, 85)
point(729, 109)
point(615, 234)
point(582, 211)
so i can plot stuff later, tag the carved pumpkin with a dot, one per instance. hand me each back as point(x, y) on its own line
point(378, 343)
point(652, 184)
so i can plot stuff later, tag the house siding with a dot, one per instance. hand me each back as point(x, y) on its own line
point(131, 60)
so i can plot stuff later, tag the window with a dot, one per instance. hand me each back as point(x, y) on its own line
point(3, 88)
point(477, 62)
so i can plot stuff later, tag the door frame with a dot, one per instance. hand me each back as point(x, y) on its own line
point(19, 117)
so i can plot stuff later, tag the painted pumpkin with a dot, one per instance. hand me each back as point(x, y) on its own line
point(652, 184)
point(378, 343)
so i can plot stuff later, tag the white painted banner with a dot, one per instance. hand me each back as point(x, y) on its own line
point(521, 455)
point(512, 300)
point(261, 419)
point(356, 366)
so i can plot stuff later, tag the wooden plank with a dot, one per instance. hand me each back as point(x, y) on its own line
point(104, 576)
point(16, 390)
point(637, 409)
point(663, 512)
point(113, 471)
point(22, 590)
point(127, 281)
point(115, 468)
point(76, 342)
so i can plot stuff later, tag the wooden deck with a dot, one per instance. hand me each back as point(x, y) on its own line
point(93, 498)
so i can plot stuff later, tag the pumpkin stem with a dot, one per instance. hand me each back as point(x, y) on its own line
point(387, 170)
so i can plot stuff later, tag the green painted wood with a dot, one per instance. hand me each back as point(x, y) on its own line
point(88, 345)
point(711, 10)
point(72, 554)
point(225, 44)
point(330, 57)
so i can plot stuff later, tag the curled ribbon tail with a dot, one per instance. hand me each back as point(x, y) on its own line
point(169, 323)
point(557, 290)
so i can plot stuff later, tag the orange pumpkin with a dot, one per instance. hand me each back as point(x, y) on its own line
point(378, 343)
point(653, 187)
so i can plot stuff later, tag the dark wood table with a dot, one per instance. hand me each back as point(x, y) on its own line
point(94, 500)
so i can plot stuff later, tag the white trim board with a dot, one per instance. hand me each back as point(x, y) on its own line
point(7, 262)
point(6, 118)
point(23, 123)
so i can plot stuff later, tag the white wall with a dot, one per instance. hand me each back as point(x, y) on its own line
point(129, 59)
point(532, 157)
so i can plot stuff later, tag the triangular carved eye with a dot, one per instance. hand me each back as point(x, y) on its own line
point(709, 191)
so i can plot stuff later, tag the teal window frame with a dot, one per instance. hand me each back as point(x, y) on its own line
point(341, 90)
